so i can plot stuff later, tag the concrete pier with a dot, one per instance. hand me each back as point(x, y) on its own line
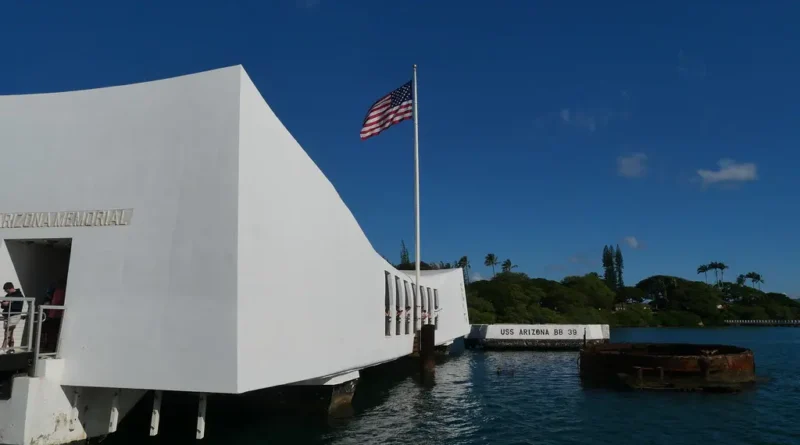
point(342, 396)
point(536, 337)
point(427, 350)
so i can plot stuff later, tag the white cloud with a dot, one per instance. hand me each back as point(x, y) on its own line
point(729, 171)
point(590, 120)
point(633, 166)
point(631, 241)
point(476, 276)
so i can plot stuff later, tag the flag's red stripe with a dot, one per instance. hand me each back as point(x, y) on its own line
point(372, 118)
point(378, 109)
point(370, 133)
point(378, 120)
point(380, 104)
point(390, 123)
point(387, 118)
point(392, 119)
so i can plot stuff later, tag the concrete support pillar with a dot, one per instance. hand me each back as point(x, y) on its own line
point(326, 395)
point(114, 417)
point(201, 417)
point(342, 396)
point(73, 417)
point(155, 417)
point(427, 350)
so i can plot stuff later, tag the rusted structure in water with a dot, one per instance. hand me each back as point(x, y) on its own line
point(670, 366)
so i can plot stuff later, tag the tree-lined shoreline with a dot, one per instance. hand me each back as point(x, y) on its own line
point(657, 301)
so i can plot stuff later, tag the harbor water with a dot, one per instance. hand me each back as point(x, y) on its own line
point(537, 398)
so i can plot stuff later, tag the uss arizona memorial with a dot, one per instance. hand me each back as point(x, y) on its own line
point(195, 235)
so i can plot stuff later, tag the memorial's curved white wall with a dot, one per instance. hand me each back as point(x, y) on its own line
point(235, 264)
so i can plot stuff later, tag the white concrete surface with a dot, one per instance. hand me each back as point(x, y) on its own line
point(208, 251)
point(41, 412)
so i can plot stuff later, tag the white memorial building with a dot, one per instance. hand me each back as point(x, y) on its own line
point(203, 252)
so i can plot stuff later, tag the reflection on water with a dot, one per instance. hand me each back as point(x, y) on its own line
point(543, 402)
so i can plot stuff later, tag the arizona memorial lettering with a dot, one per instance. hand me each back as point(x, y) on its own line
point(535, 332)
point(536, 336)
point(77, 218)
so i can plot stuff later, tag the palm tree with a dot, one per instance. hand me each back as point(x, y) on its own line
point(741, 279)
point(722, 267)
point(759, 280)
point(755, 278)
point(715, 267)
point(752, 277)
point(463, 263)
point(508, 265)
point(491, 260)
point(703, 268)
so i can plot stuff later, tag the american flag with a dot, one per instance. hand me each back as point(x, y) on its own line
point(390, 109)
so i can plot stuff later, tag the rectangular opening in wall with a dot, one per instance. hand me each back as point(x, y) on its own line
point(436, 307)
point(398, 304)
point(416, 307)
point(388, 303)
point(430, 306)
point(423, 304)
point(408, 306)
point(42, 267)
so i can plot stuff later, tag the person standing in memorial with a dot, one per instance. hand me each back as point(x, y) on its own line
point(12, 314)
point(52, 325)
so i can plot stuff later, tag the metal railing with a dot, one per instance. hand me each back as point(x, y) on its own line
point(52, 344)
point(764, 322)
point(31, 330)
point(17, 325)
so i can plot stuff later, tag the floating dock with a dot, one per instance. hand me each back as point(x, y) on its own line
point(536, 336)
point(680, 367)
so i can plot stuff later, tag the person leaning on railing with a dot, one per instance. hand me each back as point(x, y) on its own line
point(52, 324)
point(12, 314)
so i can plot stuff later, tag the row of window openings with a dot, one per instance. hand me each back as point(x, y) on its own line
point(398, 296)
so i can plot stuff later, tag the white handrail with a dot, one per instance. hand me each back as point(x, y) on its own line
point(6, 316)
point(37, 353)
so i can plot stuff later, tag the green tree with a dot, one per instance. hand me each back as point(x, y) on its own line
point(508, 266)
point(630, 295)
point(491, 260)
point(404, 259)
point(722, 267)
point(703, 269)
point(618, 266)
point(677, 318)
point(714, 265)
point(598, 294)
point(609, 274)
point(741, 279)
point(755, 278)
point(634, 315)
point(463, 263)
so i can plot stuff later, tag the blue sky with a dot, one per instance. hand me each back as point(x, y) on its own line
point(547, 129)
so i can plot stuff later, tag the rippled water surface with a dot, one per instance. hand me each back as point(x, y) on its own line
point(543, 403)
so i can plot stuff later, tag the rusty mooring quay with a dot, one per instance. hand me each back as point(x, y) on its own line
point(668, 366)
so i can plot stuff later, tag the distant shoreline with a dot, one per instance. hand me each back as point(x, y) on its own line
point(659, 301)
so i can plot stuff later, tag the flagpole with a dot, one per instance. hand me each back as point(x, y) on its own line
point(416, 182)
